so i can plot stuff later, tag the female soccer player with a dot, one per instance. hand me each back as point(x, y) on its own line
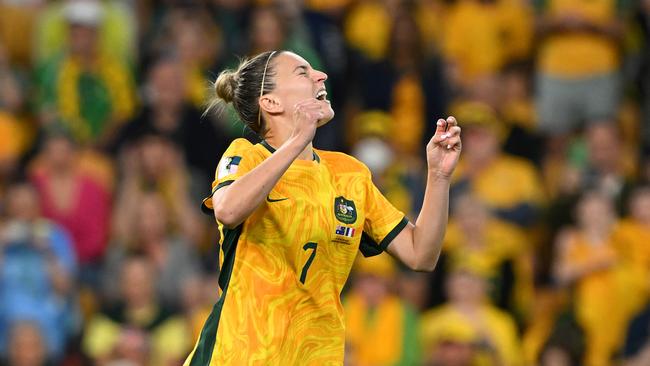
point(292, 219)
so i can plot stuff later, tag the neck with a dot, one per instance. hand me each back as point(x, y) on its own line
point(62, 171)
point(277, 138)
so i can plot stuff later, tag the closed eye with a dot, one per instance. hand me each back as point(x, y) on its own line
point(302, 70)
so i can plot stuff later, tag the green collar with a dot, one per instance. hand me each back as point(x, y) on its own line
point(272, 150)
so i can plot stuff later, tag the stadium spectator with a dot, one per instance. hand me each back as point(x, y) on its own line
point(603, 163)
point(501, 251)
point(397, 175)
point(91, 91)
point(586, 89)
point(480, 37)
point(168, 113)
point(587, 260)
point(37, 273)
point(27, 346)
point(270, 31)
point(372, 308)
point(138, 328)
point(189, 34)
point(408, 84)
point(117, 30)
point(174, 259)
point(367, 28)
point(488, 173)
point(155, 164)
point(478, 329)
point(66, 194)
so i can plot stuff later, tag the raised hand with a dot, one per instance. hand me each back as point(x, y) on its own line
point(306, 116)
point(443, 150)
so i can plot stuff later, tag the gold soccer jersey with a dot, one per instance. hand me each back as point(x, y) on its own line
point(283, 269)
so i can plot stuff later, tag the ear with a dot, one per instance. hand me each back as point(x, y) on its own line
point(271, 104)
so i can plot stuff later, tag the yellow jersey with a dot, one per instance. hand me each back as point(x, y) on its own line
point(590, 53)
point(283, 269)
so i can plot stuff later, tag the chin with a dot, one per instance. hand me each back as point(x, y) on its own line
point(326, 119)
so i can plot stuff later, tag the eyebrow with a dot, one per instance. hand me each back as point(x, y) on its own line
point(303, 67)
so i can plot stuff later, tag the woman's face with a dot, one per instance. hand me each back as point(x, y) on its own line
point(595, 211)
point(296, 81)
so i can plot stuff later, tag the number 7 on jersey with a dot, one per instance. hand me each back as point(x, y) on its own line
point(305, 268)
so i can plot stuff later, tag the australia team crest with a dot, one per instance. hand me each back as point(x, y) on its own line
point(345, 210)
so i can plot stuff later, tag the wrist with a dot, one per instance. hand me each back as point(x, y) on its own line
point(436, 176)
point(294, 145)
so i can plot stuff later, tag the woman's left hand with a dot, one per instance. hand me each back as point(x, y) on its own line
point(443, 150)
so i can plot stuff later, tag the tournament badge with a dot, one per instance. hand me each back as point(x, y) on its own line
point(229, 165)
point(344, 210)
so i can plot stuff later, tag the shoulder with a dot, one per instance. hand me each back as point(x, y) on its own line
point(342, 163)
point(436, 315)
point(240, 147)
point(515, 162)
point(516, 166)
point(499, 318)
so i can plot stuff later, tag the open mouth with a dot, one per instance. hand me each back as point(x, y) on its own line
point(321, 95)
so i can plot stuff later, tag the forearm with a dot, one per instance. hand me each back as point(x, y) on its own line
point(61, 282)
point(429, 230)
point(233, 204)
point(125, 209)
point(569, 273)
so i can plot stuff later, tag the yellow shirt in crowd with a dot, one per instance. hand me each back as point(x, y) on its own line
point(447, 321)
point(384, 335)
point(494, 185)
point(579, 54)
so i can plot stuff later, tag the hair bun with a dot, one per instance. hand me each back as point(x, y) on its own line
point(225, 85)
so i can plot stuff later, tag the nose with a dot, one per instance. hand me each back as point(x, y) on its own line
point(319, 76)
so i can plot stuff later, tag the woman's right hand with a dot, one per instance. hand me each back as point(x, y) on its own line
point(306, 115)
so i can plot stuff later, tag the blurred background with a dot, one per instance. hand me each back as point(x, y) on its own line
point(106, 260)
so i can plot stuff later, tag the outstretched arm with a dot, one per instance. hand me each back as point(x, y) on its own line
point(418, 246)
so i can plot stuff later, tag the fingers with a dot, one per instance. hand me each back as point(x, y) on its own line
point(310, 110)
point(441, 127)
point(451, 122)
point(453, 142)
point(444, 137)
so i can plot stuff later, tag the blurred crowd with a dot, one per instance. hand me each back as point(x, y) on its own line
point(105, 154)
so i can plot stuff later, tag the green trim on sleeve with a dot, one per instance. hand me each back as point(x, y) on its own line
point(221, 185)
point(393, 233)
point(369, 248)
point(204, 207)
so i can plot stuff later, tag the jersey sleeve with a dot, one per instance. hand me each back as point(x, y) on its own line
point(238, 159)
point(383, 221)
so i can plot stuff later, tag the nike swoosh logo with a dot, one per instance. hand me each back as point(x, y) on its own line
point(271, 200)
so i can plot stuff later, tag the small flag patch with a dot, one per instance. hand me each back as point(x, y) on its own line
point(344, 231)
point(228, 166)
